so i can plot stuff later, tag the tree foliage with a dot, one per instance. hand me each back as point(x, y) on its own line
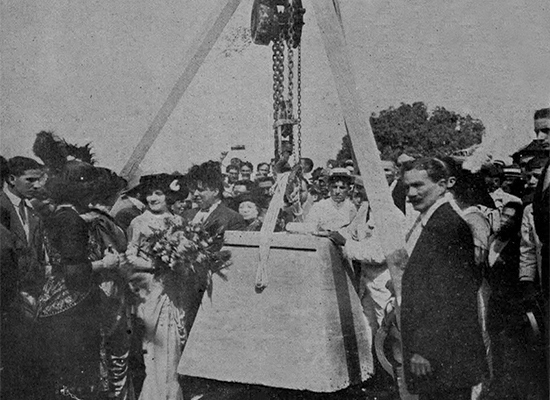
point(413, 130)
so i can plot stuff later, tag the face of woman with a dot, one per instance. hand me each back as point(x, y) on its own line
point(248, 210)
point(156, 200)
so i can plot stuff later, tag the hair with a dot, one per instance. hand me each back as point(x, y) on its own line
point(434, 167)
point(17, 166)
point(4, 170)
point(247, 164)
point(348, 180)
point(265, 179)
point(260, 165)
point(493, 171)
point(471, 189)
point(308, 162)
point(107, 185)
point(150, 183)
point(536, 162)
point(542, 113)
point(74, 184)
point(231, 167)
point(209, 174)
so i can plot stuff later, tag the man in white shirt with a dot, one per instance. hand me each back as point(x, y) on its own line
point(337, 211)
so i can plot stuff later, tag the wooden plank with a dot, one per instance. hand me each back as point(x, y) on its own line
point(200, 48)
point(362, 138)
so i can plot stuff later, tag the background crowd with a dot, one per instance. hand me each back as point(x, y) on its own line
point(84, 312)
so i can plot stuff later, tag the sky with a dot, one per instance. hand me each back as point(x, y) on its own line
point(98, 71)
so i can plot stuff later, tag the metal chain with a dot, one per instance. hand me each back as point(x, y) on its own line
point(290, 43)
point(278, 83)
point(299, 102)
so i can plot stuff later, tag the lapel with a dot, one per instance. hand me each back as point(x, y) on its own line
point(423, 244)
point(10, 219)
point(214, 216)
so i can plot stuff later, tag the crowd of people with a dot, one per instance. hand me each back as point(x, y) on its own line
point(85, 313)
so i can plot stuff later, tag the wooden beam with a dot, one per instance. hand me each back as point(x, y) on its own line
point(387, 221)
point(199, 49)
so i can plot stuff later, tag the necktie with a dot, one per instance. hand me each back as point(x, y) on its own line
point(23, 212)
point(410, 232)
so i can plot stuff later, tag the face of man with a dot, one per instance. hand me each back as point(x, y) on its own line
point(27, 185)
point(422, 192)
point(358, 196)
point(263, 170)
point(233, 175)
point(389, 171)
point(204, 197)
point(246, 171)
point(533, 177)
point(542, 129)
point(339, 191)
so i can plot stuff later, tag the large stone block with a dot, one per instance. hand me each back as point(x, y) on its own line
point(305, 331)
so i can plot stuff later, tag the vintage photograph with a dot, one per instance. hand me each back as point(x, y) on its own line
point(274, 199)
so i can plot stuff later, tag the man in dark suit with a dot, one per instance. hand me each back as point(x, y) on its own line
point(442, 342)
point(22, 268)
point(208, 188)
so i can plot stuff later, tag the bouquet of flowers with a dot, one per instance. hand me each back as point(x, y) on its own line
point(189, 249)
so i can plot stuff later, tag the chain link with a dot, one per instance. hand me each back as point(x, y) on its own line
point(299, 102)
point(278, 84)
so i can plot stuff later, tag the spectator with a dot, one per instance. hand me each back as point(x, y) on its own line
point(250, 209)
point(246, 171)
point(337, 211)
point(262, 170)
point(307, 167)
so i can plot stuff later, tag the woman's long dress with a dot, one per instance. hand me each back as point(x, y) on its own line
point(115, 345)
point(68, 318)
point(161, 311)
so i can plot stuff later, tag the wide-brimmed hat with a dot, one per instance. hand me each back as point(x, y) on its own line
point(173, 185)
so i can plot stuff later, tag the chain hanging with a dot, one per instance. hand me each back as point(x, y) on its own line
point(278, 85)
point(289, 108)
point(299, 103)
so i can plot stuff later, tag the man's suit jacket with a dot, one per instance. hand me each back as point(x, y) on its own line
point(27, 253)
point(220, 220)
point(439, 307)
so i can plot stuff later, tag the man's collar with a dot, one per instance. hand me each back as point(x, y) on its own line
point(338, 205)
point(428, 214)
point(212, 207)
point(15, 200)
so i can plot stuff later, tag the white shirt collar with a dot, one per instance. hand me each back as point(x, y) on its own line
point(425, 217)
point(15, 200)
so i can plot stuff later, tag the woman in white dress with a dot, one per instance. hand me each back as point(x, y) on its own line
point(160, 304)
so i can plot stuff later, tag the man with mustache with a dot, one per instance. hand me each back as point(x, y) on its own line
point(443, 350)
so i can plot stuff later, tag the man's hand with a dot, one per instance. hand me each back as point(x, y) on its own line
point(420, 366)
point(337, 238)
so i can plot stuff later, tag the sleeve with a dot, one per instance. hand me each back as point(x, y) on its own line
point(314, 215)
point(527, 247)
point(368, 250)
point(133, 251)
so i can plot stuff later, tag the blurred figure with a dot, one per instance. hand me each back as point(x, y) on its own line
point(533, 171)
point(493, 175)
point(262, 170)
point(307, 168)
point(246, 171)
point(542, 125)
point(338, 210)
point(250, 209)
point(390, 171)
